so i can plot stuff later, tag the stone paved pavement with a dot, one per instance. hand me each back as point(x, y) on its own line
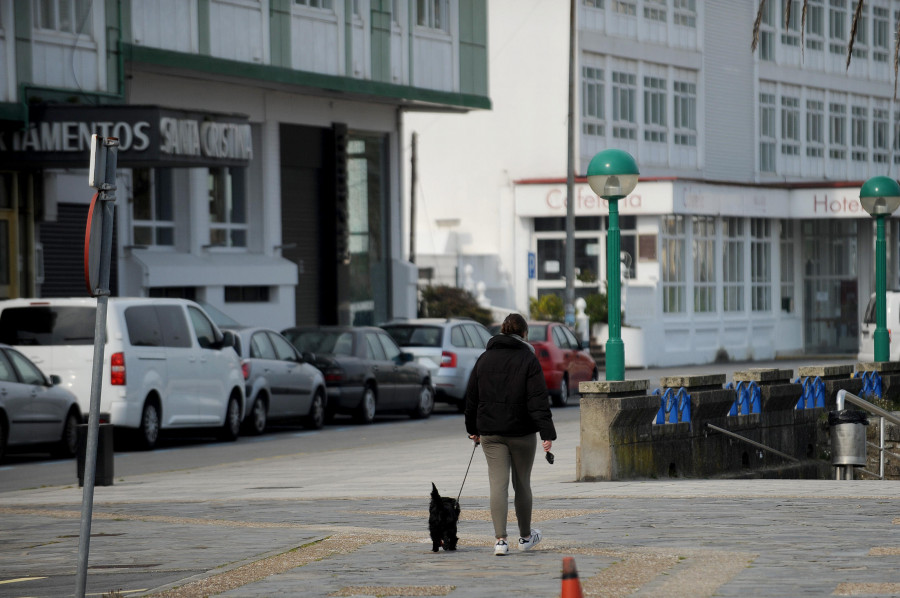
point(356, 525)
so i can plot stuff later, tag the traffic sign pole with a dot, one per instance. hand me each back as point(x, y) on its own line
point(104, 152)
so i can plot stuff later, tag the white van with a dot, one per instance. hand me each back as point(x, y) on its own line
point(166, 365)
point(867, 329)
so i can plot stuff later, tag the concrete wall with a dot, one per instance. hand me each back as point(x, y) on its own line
point(620, 438)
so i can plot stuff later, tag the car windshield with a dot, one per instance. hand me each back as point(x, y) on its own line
point(219, 317)
point(537, 333)
point(47, 325)
point(328, 342)
point(415, 336)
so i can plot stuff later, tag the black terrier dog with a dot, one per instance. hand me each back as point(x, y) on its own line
point(443, 513)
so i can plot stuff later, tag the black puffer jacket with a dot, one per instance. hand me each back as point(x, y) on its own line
point(507, 395)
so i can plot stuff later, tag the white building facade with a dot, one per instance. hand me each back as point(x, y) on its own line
point(745, 238)
point(260, 159)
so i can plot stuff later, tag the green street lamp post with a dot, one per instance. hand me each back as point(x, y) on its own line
point(880, 196)
point(613, 174)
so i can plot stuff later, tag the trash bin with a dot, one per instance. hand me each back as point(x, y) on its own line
point(848, 437)
point(103, 476)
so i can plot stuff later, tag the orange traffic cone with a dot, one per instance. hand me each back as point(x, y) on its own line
point(571, 587)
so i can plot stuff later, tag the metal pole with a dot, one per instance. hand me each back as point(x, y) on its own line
point(108, 197)
point(414, 180)
point(570, 179)
point(881, 448)
point(752, 442)
point(882, 339)
point(615, 348)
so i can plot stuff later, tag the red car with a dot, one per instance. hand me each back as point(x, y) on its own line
point(564, 361)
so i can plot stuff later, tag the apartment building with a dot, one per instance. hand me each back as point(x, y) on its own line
point(260, 161)
point(744, 238)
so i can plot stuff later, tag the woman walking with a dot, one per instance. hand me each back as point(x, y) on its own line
point(506, 405)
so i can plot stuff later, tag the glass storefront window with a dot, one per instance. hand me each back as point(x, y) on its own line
point(830, 297)
point(551, 257)
point(367, 189)
point(227, 207)
point(152, 216)
point(672, 243)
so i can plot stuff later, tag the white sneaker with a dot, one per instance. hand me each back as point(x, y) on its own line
point(501, 548)
point(531, 541)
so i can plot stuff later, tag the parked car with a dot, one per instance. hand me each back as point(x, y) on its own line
point(35, 409)
point(448, 347)
point(892, 323)
point(563, 359)
point(365, 372)
point(279, 384)
point(166, 365)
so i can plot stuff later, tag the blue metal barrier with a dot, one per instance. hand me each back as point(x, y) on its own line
point(748, 398)
point(674, 406)
point(813, 392)
point(871, 384)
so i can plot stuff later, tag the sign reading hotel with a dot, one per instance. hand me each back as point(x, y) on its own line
point(827, 203)
point(549, 199)
point(148, 136)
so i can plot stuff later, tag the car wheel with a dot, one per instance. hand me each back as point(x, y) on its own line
point(256, 423)
point(68, 442)
point(425, 404)
point(365, 413)
point(563, 399)
point(461, 405)
point(231, 429)
point(148, 433)
point(316, 418)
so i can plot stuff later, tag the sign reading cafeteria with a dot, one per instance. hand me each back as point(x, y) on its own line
point(549, 199)
point(148, 136)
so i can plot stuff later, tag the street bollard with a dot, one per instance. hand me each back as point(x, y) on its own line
point(105, 451)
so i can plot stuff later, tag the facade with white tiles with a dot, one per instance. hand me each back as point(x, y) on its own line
point(260, 164)
point(745, 238)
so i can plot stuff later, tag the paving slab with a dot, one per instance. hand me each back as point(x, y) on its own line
point(341, 526)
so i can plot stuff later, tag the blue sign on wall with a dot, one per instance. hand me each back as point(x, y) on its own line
point(532, 265)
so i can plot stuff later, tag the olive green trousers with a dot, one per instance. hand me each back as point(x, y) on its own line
point(510, 456)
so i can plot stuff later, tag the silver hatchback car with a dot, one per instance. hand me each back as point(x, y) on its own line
point(280, 385)
point(35, 409)
point(449, 347)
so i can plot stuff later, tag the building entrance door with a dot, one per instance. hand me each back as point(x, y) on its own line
point(830, 296)
point(8, 271)
point(9, 248)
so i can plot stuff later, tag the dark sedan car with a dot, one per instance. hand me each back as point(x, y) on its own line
point(365, 372)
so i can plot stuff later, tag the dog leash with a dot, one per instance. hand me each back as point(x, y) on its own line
point(467, 471)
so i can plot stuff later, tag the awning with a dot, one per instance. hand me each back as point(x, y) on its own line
point(214, 268)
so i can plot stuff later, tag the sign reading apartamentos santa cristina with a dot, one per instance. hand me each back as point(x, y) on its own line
point(148, 136)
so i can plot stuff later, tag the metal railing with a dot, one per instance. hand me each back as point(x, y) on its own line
point(747, 398)
point(674, 406)
point(752, 442)
point(872, 384)
point(844, 396)
point(813, 392)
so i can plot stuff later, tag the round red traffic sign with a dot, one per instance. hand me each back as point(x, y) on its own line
point(93, 237)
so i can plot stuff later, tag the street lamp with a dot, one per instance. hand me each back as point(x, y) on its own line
point(613, 174)
point(880, 196)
